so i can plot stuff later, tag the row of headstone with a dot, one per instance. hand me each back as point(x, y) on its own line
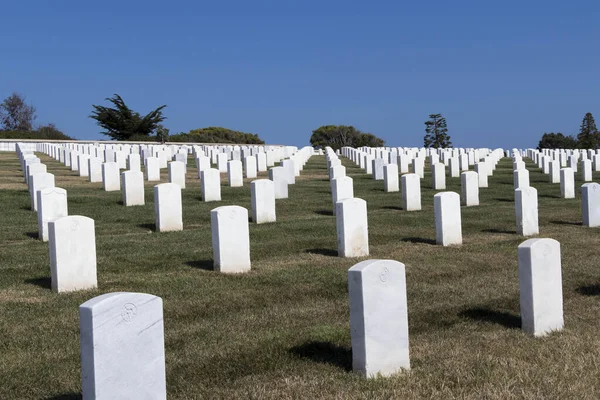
point(122, 334)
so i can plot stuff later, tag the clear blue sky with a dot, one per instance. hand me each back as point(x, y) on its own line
point(502, 73)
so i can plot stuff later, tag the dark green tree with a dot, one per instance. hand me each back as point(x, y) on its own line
point(122, 123)
point(338, 136)
point(588, 136)
point(557, 141)
point(369, 140)
point(436, 132)
point(16, 114)
point(216, 134)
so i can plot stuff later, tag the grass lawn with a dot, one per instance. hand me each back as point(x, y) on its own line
point(282, 330)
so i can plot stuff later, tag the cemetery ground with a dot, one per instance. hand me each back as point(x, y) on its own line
point(282, 330)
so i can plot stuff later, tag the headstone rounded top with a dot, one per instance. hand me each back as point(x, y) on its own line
point(447, 195)
point(546, 243)
point(229, 210)
point(382, 270)
point(353, 200)
point(131, 301)
point(53, 190)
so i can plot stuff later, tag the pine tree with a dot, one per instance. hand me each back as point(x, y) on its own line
point(122, 123)
point(589, 137)
point(436, 132)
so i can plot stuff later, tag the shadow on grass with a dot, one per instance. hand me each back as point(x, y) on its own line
point(566, 223)
point(506, 319)
point(392, 208)
point(33, 235)
point(549, 196)
point(323, 252)
point(324, 212)
point(26, 208)
point(325, 352)
point(66, 396)
point(151, 227)
point(505, 200)
point(120, 202)
point(43, 282)
point(419, 240)
point(496, 230)
point(207, 265)
point(589, 290)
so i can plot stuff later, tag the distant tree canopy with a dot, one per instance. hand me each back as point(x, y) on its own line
point(588, 137)
point(45, 132)
point(338, 136)
point(216, 134)
point(122, 123)
point(557, 141)
point(436, 132)
point(16, 114)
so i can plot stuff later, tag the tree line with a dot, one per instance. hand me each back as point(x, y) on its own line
point(119, 122)
point(587, 138)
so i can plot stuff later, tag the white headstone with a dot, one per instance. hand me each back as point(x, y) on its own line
point(152, 165)
point(378, 318)
point(250, 167)
point(72, 242)
point(222, 162)
point(95, 170)
point(352, 228)
point(289, 167)
point(210, 184)
point(454, 167)
point(341, 189)
point(482, 174)
point(52, 204)
point(377, 168)
point(390, 178)
point(448, 227)
point(39, 181)
point(279, 176)
point(521, 178)
point(134, 162)
point(526, 210)
point(411, 192)
point(586, 170)
point(263, 201)
point(132, 188)
point(554, 171)
point(590, 204)
point(469, 188)
point(82, 165)
point(230, 239)
point(235, 173)
point(540, 286)
point(419, 167)
point(567, 183)
point(438, 176)
point(176, 171)
point(167, 207)
point(122, 347)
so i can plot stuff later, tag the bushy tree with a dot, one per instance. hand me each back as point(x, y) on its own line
point(338, 136)
point(216, 134)
point(557, 141)
point(436, 132)
point(16, 114)
point(122, 123)
point(588, 136)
